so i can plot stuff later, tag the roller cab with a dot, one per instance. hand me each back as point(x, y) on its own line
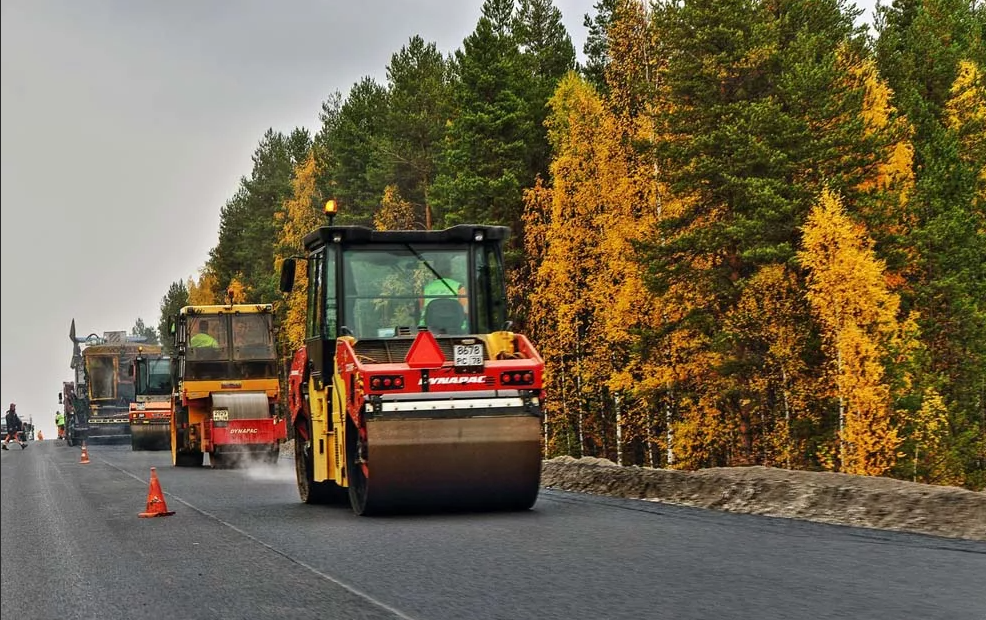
point(226, 399)
point(412, 394)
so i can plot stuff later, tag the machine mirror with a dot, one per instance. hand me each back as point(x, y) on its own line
point(59, 398)
point(287, 275)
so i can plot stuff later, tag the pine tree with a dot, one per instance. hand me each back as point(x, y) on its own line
point(548, 52)
point(919, 48)
point(173, 301)
point(248, 229)
point(596, 47)
point(144, 331)
point(756, 108)
point(928, 51)
point(484, 164)
point(353, 136)
point(418, 109)
point(325, 162)
point(950, 290)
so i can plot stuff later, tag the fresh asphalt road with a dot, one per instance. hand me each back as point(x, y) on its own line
point(241, 545)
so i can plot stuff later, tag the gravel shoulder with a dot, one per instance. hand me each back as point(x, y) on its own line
point(844, 499)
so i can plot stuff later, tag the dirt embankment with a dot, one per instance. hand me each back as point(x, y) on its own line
point(881, 503)
point(844, 499)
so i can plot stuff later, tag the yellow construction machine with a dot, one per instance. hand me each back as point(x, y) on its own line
point(411, 392)
point(226, 386)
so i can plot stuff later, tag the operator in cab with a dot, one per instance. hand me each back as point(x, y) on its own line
point(448, 319)
point(203, 339)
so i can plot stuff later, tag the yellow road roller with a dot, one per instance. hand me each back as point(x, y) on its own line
point(412, 393)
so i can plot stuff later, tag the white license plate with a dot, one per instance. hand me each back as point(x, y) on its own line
point(468, 354)
point(220, 415)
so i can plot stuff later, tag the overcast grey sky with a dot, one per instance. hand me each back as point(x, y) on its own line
point(126, 125)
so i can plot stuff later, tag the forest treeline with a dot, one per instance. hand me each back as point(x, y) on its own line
point(744, 231)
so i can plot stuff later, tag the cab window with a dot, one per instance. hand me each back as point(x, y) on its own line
point(252, 338)
point(207, 337)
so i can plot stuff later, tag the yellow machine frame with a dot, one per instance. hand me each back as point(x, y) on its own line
point(193, 395)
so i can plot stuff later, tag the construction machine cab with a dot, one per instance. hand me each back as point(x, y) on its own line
point(225, 342)
point(152, 375)
point(381, 285)
point(150, 413)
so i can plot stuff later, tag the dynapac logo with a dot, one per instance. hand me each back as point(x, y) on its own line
point(243, 431)
point(454, 380)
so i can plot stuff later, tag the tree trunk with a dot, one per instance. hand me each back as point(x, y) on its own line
point(649, 459)
point(842, 413)
point(787, 421)
point(670, 432)
point(619, 431)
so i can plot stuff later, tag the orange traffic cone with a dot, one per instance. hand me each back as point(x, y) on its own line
point(41, 436)
point(85, 454)
point(156, 507)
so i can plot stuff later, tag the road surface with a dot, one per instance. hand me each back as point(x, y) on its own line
point(241, 545)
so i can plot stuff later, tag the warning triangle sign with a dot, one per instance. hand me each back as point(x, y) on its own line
point(425, 352)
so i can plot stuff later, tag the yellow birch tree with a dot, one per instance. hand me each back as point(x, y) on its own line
point(885, 187)
point(395, 213)
point(857, 314)
point(203, 291)
point(933, 464)
point(561, 217)
point(301, 215)
point(588, 301)
point(965, 114)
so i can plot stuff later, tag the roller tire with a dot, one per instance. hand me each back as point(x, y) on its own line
point(219, 461)
point(312, 492)
point(358, 488)
point(189, 459)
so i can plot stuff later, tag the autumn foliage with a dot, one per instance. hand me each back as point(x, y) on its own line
point(301, 215)
point(858, 318)
point(744, 233)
